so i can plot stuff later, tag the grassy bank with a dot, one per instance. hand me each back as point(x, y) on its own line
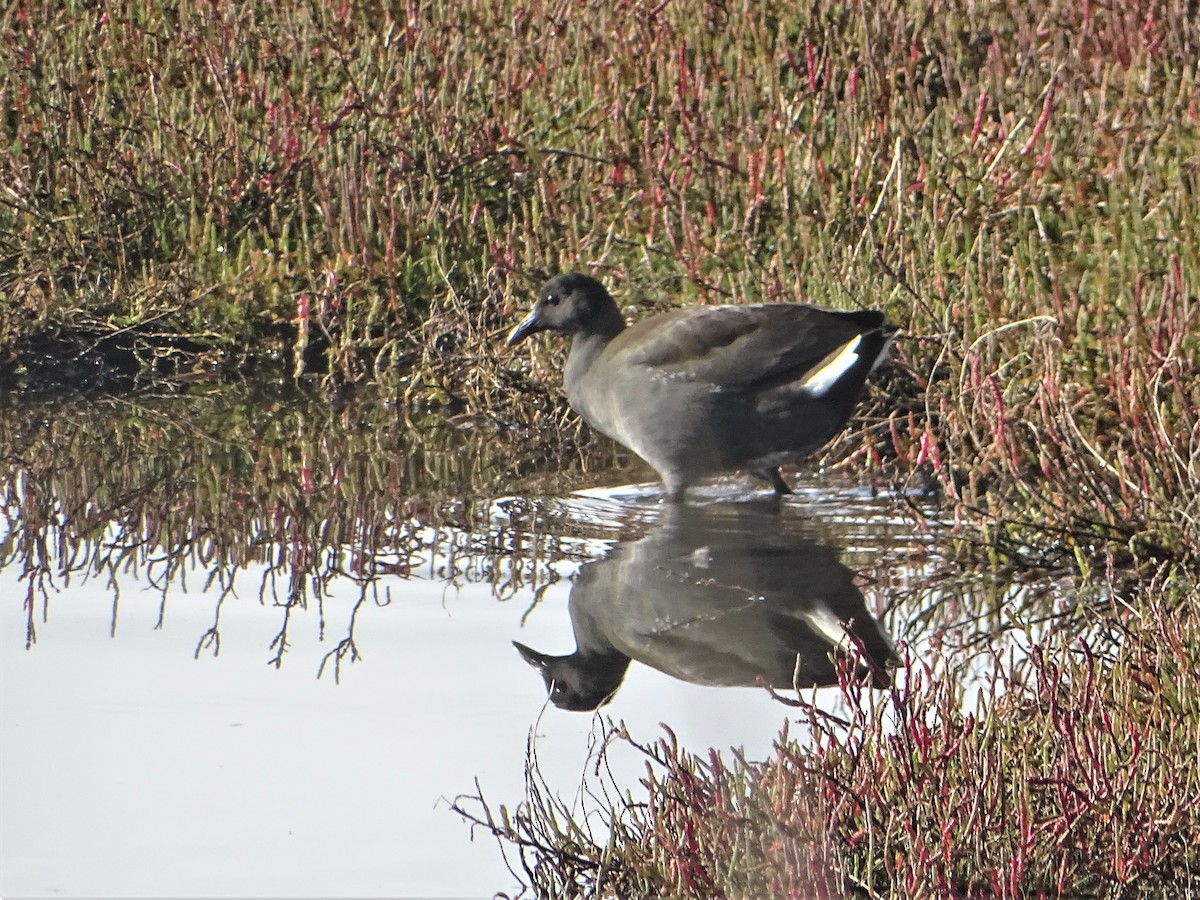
point(370, 194)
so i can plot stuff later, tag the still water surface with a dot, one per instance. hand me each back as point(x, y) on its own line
point(249, 654)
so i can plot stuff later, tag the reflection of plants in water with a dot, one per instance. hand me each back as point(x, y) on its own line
point(223, 487)
point(288, 499)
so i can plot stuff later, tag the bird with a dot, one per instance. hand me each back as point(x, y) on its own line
point(719, 594)
point(701, 390)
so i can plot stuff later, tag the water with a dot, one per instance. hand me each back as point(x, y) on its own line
point(252, 645)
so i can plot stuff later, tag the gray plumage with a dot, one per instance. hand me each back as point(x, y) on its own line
point(709, 389)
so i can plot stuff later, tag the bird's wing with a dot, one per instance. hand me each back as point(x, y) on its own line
point(740, 347)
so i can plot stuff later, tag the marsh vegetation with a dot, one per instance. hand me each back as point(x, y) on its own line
point(362, 198)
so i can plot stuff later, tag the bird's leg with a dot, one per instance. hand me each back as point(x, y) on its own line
point(675, 489)
point(773, 478)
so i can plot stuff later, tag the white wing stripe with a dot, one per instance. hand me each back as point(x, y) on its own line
point(822, 380)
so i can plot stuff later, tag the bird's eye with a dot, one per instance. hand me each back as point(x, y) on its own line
point(551, 300)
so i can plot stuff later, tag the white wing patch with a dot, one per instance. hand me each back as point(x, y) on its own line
point(820, 381)
point(830, 627)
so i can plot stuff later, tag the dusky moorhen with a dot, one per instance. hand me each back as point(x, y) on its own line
point(708, 389)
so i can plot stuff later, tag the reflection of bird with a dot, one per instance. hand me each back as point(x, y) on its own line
point(707, 389)
point(720, 595)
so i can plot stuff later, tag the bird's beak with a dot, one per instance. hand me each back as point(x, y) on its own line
point(538, 660)
point(529, 325)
